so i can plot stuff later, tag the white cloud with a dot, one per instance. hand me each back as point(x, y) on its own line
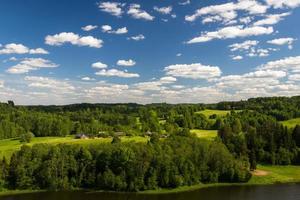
point(56, 86)
point(183, 3)
point(163, 10)
point(294, 77)
point(179, 54)
point(136, 12)
point(283, 3)
point(137, 37)
point(271, 19)
point(29, 64)
point(119, 31)
point(99, 65)
point(13, 48)
point(168, 79)
point(246, 45)
point(86, 78)
point(126, 63)
point(106, 28)
point(118, 73)
point(38, 51)
point(232, 32)
point(89, 27)
point(289, 63)
point(228, 11)
point(1, 84)
point(283, 41)
point(112, 8)
point(75, 39)
point(237, 57)
point(193, 71)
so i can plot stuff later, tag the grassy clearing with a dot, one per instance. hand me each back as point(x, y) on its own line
point(8, 146)
point(205, 134)
point(277, 174)
point(291, 123)
point(219, 113)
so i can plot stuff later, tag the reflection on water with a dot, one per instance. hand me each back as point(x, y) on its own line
point(273, 192)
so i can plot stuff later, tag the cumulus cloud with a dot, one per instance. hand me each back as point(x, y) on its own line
point(119, 31)
point(289, 63)
point(112, 8)
point(228, 11)
point(271, 19)
point(136, 12)
point(126, 63)
point(99, 65)
point(232, 32)
point(163, 10)
point(183, 3)
point(74, 39)
point(193, 71)
point(118, 73)
point(283, 3)
point(30, 64)
point(86, 78)
point(283, 41)
point(237, 57)
point(246, 45)
point(106, 28)
point(89, 27)
point(137, 37)
point(13, 48)
point(56, 86)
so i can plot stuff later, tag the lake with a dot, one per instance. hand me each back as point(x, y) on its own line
point(273, 192)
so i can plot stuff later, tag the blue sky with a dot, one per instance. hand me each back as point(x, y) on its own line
point(60, 52)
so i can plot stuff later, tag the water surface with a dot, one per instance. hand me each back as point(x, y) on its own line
point(273, 192)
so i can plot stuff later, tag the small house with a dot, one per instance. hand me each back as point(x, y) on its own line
point(81, 136)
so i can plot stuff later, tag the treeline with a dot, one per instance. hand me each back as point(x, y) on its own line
point(173, 162)
point(90, 119)
point(260, 138)
point(281, 108)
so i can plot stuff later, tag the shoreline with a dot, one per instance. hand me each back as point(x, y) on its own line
point(275, 175)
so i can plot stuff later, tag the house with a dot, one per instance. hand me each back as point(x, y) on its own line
point(81, 136)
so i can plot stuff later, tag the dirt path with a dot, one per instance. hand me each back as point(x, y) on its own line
point(260, 173)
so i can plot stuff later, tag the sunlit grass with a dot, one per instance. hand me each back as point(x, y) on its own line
point(8, 146)
point(291, 123)
point(205, 134)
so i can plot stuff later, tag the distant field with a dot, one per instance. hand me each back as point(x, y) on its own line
point(7, 147)
point(205, 134)
point(219, 113)
point(291, 123)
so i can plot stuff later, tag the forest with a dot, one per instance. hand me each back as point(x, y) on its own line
point(251, 133)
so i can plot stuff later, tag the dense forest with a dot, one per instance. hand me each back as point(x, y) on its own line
point(174, 162)
point(250, 134)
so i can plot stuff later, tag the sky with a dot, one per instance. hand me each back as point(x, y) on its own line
point(141, 51)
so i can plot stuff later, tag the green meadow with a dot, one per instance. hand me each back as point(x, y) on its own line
point(291, 123)
point(205, 134)
point(8, 146)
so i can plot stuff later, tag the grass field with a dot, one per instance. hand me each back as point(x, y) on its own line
point(7, 147)
point(276, 174)
point(205, 134)
point(291, 123)
point(219, 113)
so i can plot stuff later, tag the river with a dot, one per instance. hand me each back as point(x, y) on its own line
point(272, 192)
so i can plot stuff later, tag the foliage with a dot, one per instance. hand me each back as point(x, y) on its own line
point(174, 162)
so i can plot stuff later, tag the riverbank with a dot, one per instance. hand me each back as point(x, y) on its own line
point(265, 175)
